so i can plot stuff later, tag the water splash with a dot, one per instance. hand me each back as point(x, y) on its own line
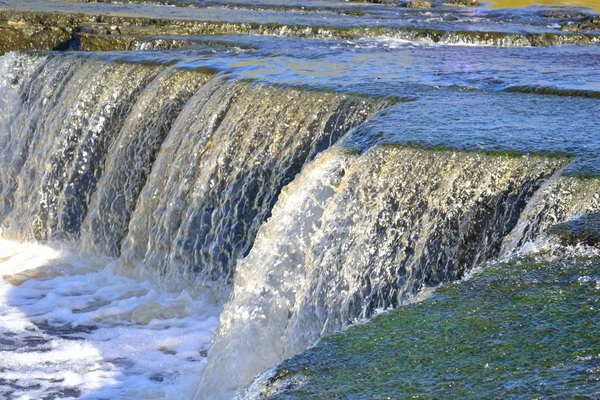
point(73, 326)
point(354, 234)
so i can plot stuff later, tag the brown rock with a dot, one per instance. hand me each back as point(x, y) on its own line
point(466, 3)
point(569, 28)
point(418, 4)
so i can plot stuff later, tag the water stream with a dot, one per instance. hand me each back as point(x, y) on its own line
point(177, 222)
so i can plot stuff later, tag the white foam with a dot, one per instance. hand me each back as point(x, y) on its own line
point(73, 323)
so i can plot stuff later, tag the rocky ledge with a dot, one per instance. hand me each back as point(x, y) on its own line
point(22, 30)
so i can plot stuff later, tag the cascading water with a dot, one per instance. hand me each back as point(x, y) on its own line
point(222, 167)
point(55, 147)
point(188, 209)
point(354, 234)
point(178, 164)
point(78, 157)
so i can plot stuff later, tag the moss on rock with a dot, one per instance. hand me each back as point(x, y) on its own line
point(47, 31)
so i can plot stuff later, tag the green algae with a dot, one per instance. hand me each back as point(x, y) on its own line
point(527, 328)
point(509, 153)
point(553, 91)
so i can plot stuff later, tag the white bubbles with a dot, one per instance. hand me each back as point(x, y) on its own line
point(74, 327)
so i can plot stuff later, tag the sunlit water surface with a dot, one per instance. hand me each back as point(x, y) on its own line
point(75, 326)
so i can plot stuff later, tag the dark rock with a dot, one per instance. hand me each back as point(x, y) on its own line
point(582, 230)
point(590, 24)
point(388, 2)
point(560, 13)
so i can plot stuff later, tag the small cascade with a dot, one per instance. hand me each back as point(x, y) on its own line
point(559, 199)
point(83, 147)
point(188, 175)
point(358, 233)
point(221, 168)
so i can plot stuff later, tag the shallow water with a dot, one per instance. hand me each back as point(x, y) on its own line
point(463, 97)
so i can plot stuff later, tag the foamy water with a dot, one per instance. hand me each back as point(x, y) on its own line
point(74, 327)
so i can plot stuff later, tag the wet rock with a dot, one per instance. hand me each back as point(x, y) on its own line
point(44, 31)
point(418, 4)
point(388, 2)
point(93, 42)
point(582, 230)
point(591, 24)
point(570, 27)
point(559, 13)
point(464, 3)
point(17, 36)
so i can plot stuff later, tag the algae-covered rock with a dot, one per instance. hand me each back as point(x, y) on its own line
point(464, 3)
point(498, 335)
point(584, 229)
point(22, 36)
point(418, 4)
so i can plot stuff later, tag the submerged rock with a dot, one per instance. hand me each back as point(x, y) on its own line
point(581, 230)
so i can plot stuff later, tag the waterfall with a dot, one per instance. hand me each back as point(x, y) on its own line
point(357, 233)
point(188, 163)
point(68, 114)
point(189, 175)
point(559, 199)
point(220, 170)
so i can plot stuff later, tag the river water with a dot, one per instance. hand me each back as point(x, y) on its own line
point(177, 222)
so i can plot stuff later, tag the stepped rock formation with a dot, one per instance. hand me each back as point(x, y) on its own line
point(304, 217)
